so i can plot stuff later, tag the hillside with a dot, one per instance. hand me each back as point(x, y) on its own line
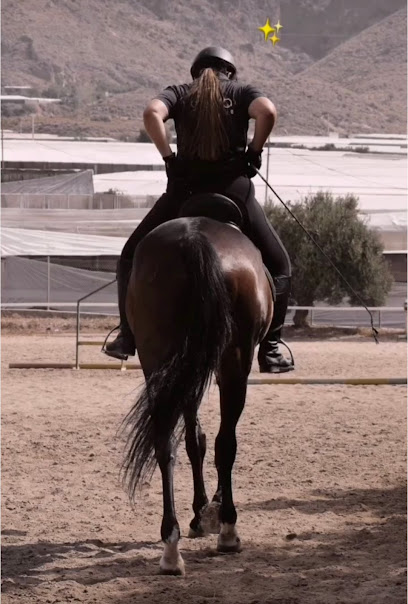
point(106, 60)
point(371, 64)
point(317, 27)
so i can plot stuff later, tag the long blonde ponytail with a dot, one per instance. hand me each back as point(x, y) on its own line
point(208, 138)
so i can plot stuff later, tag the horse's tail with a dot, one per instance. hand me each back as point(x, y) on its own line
point(178, 385)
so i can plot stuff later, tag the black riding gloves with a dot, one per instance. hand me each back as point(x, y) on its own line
point(172, 167)
point(254, 159)
point(176, 177)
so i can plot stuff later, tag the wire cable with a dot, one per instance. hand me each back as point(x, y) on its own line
point(374, 330)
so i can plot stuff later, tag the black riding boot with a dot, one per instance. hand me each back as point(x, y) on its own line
point(269, 358)
point(124, 344)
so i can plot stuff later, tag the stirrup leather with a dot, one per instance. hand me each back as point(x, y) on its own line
point(103, 349)
point(280, 341)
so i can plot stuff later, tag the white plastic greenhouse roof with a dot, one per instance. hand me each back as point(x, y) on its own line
point(27, 242)
point(378, 179)
point(77, 183)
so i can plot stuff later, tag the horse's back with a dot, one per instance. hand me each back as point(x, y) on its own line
point(231, 245)
point(160, 284)
point(244, 271)
point(236, 252)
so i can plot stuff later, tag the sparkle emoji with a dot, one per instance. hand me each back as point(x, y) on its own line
point(278, 26)
point(274, 39)
point(267, 29)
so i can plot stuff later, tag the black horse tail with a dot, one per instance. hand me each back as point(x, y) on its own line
point(178, 385)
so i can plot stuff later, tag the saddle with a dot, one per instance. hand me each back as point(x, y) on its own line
point(215, 206)
point(221, 208)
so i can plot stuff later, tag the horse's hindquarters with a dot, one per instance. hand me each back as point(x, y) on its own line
point(156, 303)
point(197, 302)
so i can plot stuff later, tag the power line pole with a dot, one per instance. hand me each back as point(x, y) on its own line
point(2, 147)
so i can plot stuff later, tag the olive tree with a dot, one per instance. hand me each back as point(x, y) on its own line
point(344, 235)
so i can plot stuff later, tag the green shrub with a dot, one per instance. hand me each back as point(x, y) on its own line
point(345, 237)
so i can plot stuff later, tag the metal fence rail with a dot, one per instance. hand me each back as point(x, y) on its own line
point(293, 308)
point(314, 311)
point(5, 305)
point(378, 311)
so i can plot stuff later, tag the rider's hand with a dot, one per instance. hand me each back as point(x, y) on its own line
point(176, 180)
point(172, 164)
point(254, 159)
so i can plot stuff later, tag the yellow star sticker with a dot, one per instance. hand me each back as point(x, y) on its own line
point(274, 39)
point(278, 26)
point(267, 29)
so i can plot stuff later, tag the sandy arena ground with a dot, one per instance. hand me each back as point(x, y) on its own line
point(319, 486)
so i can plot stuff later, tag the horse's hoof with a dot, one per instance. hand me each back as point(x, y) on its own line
point(196, 533)
point(228, 540)
point(173, 572)
point(166, 568)
point(234, 548)
point(210, 521)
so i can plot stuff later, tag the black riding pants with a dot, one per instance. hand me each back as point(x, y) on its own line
point(256, 226)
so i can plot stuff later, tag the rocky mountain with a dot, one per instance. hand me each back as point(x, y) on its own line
point(371, 65)
point(107, 59)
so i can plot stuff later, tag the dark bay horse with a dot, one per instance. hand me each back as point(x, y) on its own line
point(198, 303)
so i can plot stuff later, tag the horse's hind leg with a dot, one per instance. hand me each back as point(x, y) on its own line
point(171, 562)
point(196, 448)
point(232, 381)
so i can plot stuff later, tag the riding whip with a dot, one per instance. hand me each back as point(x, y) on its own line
point(312, 239)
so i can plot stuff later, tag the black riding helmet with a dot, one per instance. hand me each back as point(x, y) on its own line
point(213, 56)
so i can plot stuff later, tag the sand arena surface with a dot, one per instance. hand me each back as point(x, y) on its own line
point(319, 486)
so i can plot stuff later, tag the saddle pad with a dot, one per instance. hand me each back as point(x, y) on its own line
point(271, 283)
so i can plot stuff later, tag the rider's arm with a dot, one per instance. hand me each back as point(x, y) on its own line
point(263, 111)
point(154, 117)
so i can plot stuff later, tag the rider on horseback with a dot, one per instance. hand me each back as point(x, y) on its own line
point(211, 117)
